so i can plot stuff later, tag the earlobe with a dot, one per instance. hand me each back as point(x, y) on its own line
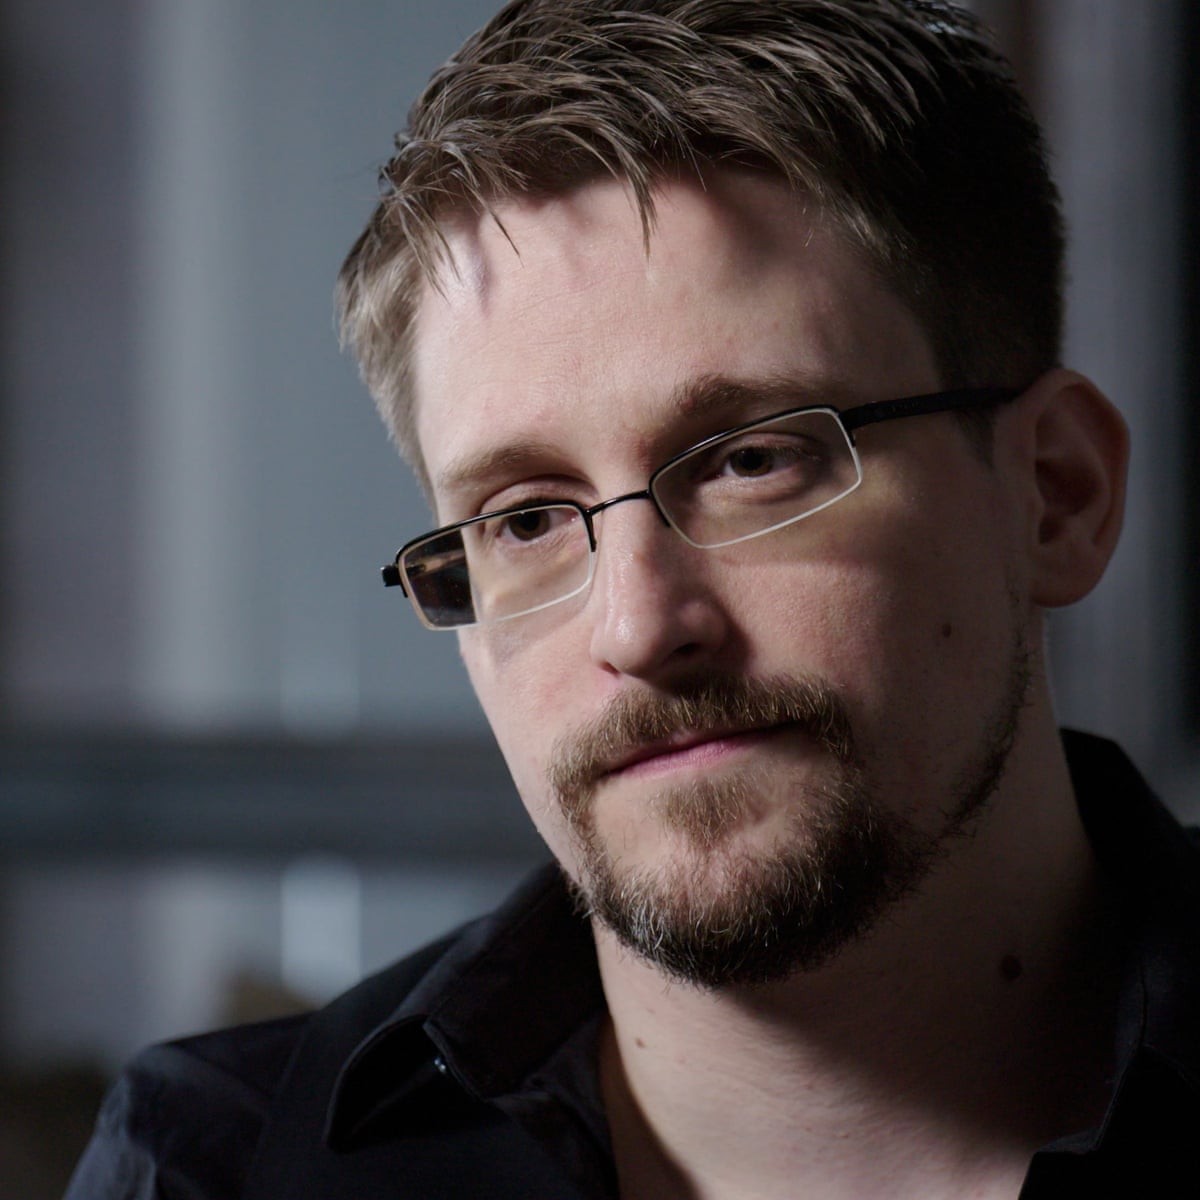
point(1079, 447)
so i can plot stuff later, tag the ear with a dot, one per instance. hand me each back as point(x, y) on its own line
point(1077, 452)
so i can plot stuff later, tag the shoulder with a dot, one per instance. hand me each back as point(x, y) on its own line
point(184, 1118)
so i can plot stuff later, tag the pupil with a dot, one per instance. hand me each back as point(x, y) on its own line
point(528, 524)
point(751, 462)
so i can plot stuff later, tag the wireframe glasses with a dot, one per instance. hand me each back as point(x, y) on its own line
point(740, 484)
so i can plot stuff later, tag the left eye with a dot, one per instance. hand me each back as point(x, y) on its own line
point(751, 462)
point(756, 461)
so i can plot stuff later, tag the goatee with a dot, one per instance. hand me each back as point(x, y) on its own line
point(722, 913)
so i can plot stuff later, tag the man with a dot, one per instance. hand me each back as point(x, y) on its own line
point(723, 335)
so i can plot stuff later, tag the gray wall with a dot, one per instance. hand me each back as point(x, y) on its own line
point(196, 492)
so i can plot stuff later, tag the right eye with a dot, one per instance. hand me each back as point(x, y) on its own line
point(530, 526)
point(526, 526)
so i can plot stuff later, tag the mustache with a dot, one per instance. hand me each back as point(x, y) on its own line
point(720, 704)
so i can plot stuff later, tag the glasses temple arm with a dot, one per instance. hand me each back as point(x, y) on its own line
point(958, 400)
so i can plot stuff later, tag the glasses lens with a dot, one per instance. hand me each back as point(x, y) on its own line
point(499, 566)
point(758, 479)
point(436, 577)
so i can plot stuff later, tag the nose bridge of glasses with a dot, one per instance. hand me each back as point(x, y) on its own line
point(634, 563)
point(644, 494)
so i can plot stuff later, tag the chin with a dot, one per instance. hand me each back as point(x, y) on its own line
point(727, 905)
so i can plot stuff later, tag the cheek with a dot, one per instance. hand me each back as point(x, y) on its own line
point(522, 685)
point(511, 690)
point(914, 637)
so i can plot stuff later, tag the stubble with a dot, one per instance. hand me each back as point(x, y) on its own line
point(723, 913)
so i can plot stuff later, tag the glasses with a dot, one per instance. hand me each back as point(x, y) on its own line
point(740, 484)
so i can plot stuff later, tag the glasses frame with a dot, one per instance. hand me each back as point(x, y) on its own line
point(850, 420)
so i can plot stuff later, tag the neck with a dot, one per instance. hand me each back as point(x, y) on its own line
point(932, 1056)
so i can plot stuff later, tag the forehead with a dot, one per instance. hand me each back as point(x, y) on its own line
point(557, 321)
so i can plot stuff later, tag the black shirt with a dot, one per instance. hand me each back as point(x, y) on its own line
point(468, 1070)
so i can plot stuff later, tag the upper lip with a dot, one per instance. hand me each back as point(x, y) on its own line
point(682, 740)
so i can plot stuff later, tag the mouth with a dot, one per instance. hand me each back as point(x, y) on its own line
point(690, 750)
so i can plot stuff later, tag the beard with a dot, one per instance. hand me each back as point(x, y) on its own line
point(725, 914)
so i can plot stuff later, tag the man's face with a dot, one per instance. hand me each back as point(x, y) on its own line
point(715, 737)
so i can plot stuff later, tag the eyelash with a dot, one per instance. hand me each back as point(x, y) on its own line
point(516, 498)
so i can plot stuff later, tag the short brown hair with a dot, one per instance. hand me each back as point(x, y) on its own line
point(897, 116)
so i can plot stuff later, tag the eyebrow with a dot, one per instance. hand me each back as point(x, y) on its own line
point(478, 466)
point(715, 394)
point(703, 397)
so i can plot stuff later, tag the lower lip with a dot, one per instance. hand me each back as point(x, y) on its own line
point(701, 755)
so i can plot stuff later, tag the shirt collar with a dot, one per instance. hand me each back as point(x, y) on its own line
point(508, 993)
point(1149, 864)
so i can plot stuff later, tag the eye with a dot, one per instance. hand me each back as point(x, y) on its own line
point(527, 526)
point(752, 462)
point(530, 525)
point(758, 460)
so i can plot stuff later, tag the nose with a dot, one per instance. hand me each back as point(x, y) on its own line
point(652, 607)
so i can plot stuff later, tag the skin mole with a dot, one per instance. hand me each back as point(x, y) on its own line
point(1010, 967)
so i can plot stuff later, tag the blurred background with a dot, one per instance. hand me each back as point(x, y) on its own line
point(234, 773)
